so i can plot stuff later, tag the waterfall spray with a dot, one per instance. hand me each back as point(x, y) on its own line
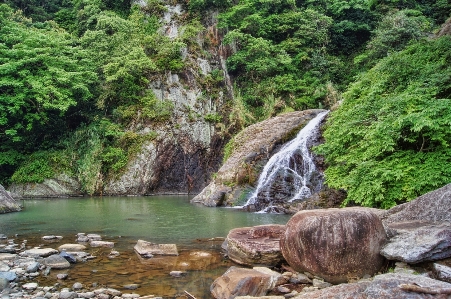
point(284, 166)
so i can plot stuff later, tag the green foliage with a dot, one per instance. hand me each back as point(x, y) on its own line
point(213, 118)
point(390, 139)
point(37, 167)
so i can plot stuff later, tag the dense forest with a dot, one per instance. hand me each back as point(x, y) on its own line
point(74, 73)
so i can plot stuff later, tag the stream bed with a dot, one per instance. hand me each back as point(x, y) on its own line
point(198, 232)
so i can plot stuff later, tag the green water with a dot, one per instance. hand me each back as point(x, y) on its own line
point(124, 220)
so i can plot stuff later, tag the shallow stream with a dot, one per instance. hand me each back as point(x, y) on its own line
point(196, 230)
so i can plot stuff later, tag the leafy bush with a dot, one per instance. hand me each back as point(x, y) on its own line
point(390, 139)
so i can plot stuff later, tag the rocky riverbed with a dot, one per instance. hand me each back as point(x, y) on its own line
point(89, 267)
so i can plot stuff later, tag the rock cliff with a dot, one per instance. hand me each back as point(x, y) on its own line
point(7, 203)
point(250, 151)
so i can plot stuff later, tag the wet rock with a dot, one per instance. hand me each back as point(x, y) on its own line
point(62, 276)
point(145, 248)
point(7, 203)
point(42, 252)
point(261, 297)
point(33, 267)
point(320, 284)
point(241, 282)
point(68, 295)
point(72, 247)
point(82, 238)
point(132, 286)
point(130, 296)
point(276, 278)
point(3, 237)
point(86, 295)
point(56, 262)
point(30, 286)
point(4, 283)
point(442, 272)
point(335, 244)
point(101, 244)
point(177, 273)
point(51, 237)
point(7, 256)
point(10, 276)
point(257, 245)
point(94, 237)
point(69, 257)
point(77, 286)
point(300, 278)
point(4, 267)
point(384, 286)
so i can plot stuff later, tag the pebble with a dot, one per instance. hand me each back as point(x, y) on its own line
point(62, 276)
point(77, 286)
point(320, 284)
point(33, 267)
point(101, 244)
point(30, 286)
point(132, 286)
point(177, 273)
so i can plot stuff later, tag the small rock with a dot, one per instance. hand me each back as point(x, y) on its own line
point(77, 286)
point(72, 247)
point(4, 267)
point(147, 248)
point(69, 257)
point(101, 244)
point(94, 237)
point(42, 252)
point(7, 256)
point(113, 292)
point(86, 295)
point(130, 296)
point(177, 273)
point(62, 276)
point(283, 289)
point(3, 237)
point(4, 283)
point(320, 284)
point(51, 237)
point(56, 262)
point(67, 295)
point(132, 286)
point(33, 267)
point(30, 286)
point(291, 295)
point(300, 278)
point(103, 296)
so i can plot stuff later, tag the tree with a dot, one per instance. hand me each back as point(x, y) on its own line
point(389, 141)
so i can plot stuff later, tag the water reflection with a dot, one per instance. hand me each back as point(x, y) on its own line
point(124, 220)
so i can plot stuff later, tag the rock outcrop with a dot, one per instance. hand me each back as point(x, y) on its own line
point(7, 203)
point(420, 230)
point(335, 244)
point(250, 150)
point(258, 245)
point(60, 186)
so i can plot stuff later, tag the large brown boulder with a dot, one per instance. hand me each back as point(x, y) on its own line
point(258, 245)
point(335, 244)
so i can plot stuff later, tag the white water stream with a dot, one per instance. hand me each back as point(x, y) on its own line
point(283, 165)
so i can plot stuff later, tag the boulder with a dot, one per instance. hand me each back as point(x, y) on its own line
point(241, 282)
point(335, 244)
point(148, 249)
point(7, 203)
point(56, 262)
point(415, 242)
point(251, 149)
point(384, 286)
point(8, 275)
point(420, 230)
point(259, 245)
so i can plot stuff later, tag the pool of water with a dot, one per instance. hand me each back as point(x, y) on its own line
point(195, 229)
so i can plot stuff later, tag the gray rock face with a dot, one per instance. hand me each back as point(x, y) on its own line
point(385, 286)
point(252, 148)
point(335, 244)
point(420, 230)
point(415, 242)
point(60, 186)
point(10, 276)
point(431, 207)
point(442, 272)
point(7, 203)
point(258, 245)
point(42, 252)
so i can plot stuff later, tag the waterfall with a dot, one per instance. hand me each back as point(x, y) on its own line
point(290, 174)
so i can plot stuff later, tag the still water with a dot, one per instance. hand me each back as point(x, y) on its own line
point(195, 229)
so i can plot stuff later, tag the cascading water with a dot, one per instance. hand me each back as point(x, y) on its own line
point(291, 173)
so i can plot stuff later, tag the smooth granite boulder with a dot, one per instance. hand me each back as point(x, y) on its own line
point(335, 244)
